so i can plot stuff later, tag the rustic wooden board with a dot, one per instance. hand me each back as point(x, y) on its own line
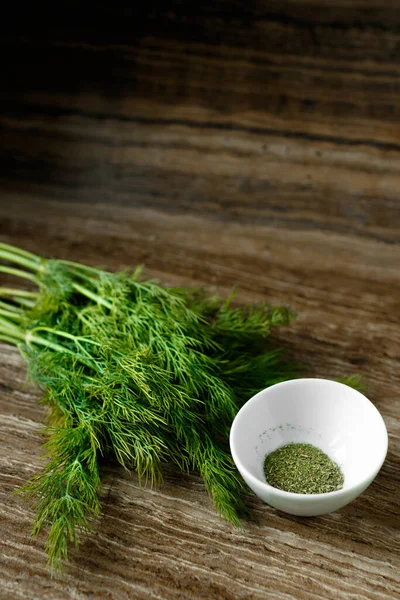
point(254, 144)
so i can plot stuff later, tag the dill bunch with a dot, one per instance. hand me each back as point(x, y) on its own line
point(136, 371)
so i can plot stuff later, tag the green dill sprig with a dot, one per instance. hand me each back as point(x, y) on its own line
point(66, 491)
point(137, 371)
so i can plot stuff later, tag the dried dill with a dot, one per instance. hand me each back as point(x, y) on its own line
point(302, 469)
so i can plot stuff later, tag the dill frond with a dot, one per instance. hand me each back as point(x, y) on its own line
point(137, 371)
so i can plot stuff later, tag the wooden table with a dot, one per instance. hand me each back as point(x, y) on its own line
point(240, 143)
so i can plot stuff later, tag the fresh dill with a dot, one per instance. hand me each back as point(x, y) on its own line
point(135, 370)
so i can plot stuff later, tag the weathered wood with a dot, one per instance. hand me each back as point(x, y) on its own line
point(253, 144)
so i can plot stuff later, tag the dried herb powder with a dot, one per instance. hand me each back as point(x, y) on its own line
point(302, 469)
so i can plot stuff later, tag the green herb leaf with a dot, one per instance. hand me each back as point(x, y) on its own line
point(136, 371)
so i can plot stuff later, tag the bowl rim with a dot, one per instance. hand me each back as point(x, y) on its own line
point(293, 495)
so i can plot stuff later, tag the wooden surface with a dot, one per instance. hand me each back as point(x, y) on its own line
point(240, 143)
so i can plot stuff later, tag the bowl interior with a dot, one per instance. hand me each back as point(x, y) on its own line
point(330, 415)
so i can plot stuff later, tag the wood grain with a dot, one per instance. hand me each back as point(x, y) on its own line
point(254, 144)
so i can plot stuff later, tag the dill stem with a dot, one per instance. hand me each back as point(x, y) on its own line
point(81, 289)
point(20, 251)
point(79, 267)
point(18, 293)
point(10, 339)
point(66, 335)
point(24, 302)
point(18, 273)
point(20, 260)
point(8, 306)
point(30, 338)
point(12, 329)
point(11, 314)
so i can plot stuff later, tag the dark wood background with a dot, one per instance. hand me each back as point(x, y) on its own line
point(249, 143)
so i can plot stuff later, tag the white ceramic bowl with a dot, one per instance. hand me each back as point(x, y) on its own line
point(330, 415)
